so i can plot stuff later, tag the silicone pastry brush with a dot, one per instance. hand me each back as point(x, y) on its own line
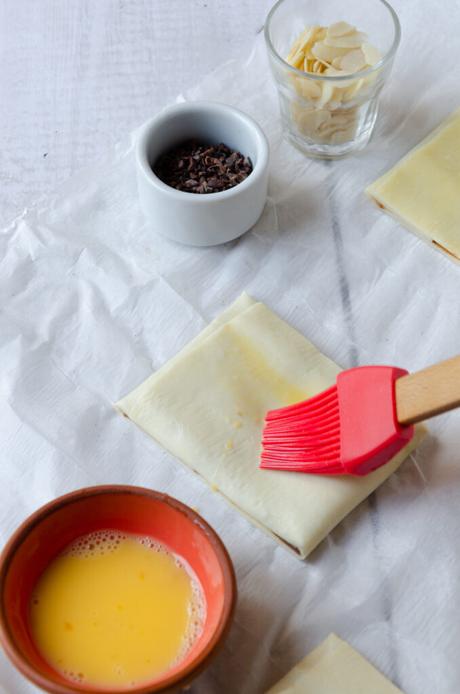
point(361, 422)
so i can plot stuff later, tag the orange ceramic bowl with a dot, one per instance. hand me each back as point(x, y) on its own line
point(130, 509)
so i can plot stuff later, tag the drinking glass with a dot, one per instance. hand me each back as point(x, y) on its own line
point(330, 116)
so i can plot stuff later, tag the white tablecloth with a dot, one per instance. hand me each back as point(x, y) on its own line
point(92, 301)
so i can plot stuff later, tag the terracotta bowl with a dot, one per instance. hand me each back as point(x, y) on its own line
point(130, 509)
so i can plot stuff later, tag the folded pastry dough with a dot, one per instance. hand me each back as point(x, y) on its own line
point(334, 667)
point(207, 406)
point(423, 190)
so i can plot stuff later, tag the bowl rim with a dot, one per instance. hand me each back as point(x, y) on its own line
point(213, 109)
point(181, 677)
point(386, 58)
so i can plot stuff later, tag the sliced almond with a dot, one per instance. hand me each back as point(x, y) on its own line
point(338, 124)
point(322, 117)
point(298, 62)
point(324, 65)
point(327, 110)
point(339, 137)
point(352, 90)
point(353, 61)
point(327, 53)
point(343, 119)
point(311, 120)
point(327, 93)
point(308, 35)
point(354, 40)
point(321, 33)
point(333, 72)
point(295, 47)
point(340, 29)
point(371, 53)
point(343, 84)
point(308, 89)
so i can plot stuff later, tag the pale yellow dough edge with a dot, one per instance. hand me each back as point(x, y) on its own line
point(334, 667)
point(422, 190)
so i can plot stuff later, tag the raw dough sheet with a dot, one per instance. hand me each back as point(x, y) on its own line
point(207, 407)
point(334, 667)
point(423, 190)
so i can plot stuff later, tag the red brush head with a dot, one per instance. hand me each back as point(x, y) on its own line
point(370, 432)
point(304, 437)
point(350, 428)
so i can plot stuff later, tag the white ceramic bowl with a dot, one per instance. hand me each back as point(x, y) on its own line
point(211, 218)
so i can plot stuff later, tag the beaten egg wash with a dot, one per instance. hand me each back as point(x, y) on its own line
point(115, 611)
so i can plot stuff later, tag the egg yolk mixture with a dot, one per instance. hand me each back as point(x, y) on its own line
point(115, 611)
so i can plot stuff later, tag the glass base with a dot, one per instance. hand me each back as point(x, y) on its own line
point(325, 151)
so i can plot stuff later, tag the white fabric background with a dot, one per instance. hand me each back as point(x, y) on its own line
point(77, 75)
point(92, 301)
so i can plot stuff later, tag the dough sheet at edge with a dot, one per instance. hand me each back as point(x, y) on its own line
point(333, 654)
point(374, 194)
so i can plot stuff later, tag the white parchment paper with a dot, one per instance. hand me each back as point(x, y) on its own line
point(91, 301)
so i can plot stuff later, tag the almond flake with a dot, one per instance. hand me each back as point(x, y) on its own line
point(354, 40)
point(328, 110)
point(353, 61)
point(352, 90)
point(308, 89)
point(327, 53)
point(371, 53)
point(339, 29)
point(333, 72)
point(328, 91)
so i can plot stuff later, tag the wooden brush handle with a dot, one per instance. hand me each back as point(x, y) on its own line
point(427, 393)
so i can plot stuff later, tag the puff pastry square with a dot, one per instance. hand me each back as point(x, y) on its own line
point(423, 190)
point(334, 667)
point(207, 405)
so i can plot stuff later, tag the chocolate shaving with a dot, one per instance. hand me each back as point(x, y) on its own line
point(195, 167)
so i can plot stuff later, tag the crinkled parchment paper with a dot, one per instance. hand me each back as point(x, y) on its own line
point(92, 300)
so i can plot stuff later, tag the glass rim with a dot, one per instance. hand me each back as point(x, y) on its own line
point(334, 78)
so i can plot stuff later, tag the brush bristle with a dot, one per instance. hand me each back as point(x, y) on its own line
point(304, 437)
